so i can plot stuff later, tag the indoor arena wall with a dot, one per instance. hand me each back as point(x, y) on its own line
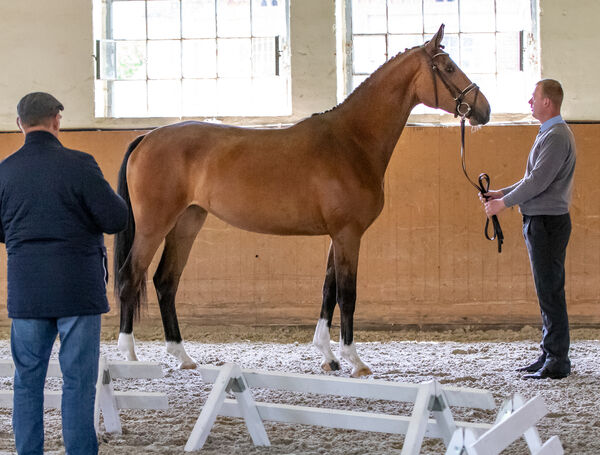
point(423, 262)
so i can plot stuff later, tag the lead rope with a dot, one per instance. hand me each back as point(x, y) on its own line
point(482, 187)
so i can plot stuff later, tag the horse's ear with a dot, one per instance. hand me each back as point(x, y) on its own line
point(435, 42)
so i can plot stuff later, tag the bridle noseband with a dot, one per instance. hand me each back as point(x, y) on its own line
point(457, 94)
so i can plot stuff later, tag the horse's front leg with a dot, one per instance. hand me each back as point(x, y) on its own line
point(346, 247)
point(322, 340)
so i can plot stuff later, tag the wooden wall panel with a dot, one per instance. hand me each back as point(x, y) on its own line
point(424, 261)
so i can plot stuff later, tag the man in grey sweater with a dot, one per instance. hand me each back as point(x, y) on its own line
point(543, 196)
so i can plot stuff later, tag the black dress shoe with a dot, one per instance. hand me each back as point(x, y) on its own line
point(535, 366)
point(545, 373)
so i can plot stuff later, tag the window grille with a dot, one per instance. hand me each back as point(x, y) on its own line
point(493, 41)
point(186, 58)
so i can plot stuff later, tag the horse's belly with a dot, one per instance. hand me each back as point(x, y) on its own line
point(267, 217)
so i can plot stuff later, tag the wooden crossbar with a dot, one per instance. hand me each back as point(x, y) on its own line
point(117, 368)
point(124, 400)
point(356, 388)
point(337, 418)
point(108, 401)
point(7, 369)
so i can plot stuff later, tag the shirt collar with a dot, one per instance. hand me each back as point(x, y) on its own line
point(550, 123)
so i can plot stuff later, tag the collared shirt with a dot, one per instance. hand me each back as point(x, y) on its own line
point(551, 122)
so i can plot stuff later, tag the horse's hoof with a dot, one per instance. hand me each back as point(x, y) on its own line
point(330, 366)
point(364, 371)
point(188, 366)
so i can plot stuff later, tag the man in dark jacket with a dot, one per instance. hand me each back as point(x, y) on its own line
point(55, 206)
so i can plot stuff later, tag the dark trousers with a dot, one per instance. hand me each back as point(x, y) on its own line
point(547, 237)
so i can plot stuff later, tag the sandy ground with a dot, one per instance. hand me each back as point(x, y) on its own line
point(466, 358)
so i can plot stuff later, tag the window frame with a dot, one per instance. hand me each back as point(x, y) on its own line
point(528, 46)
point(281, 62)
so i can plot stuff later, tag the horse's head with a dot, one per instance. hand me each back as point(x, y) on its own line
point(442, 84)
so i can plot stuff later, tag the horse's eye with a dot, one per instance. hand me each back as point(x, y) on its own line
point(449, 69)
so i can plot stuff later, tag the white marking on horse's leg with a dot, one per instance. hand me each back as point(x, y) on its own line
point(177, 350)
point(126, 345)
point(322, 342)
point(348, 353)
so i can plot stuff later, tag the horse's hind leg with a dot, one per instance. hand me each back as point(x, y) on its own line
point(178, 244)
point(322, 340)
point(132, 288)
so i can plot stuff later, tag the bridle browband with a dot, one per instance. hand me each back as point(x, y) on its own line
point(483, 184)
point(457, 94)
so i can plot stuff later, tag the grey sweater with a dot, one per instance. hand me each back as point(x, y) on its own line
point(547, 185)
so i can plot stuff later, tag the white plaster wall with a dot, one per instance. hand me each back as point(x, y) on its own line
point(47, 45)
point(569, 53)
point(314, 78)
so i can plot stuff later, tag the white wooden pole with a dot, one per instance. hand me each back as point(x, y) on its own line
point(105, 399)
point(503, 433)
point(254, 423)
point(551, 447)
point(210, 410)
point(418, 420)
point(461, 440)
point(442, 414)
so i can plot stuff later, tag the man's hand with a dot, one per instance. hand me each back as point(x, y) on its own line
point(490, 195)
point(493, 207)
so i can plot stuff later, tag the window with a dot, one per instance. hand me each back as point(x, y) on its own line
point(185, 58)
point(491, 40)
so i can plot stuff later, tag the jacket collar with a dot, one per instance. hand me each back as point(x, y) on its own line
point(36, 137)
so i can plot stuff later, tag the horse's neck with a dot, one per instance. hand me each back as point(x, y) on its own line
point(375, 115)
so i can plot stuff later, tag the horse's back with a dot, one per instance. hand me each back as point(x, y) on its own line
point(256, 179)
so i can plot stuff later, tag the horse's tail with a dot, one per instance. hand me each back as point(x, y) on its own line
point(124, 239)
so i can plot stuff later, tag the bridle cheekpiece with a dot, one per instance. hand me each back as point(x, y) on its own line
point(463, 109)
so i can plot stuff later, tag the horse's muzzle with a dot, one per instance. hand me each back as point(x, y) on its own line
point(479, 117)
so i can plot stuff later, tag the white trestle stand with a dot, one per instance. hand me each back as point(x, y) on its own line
point(516, 418)
point(430, 400)
point(431, 416)
point(108, 402)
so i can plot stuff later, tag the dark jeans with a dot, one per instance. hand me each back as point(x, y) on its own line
point(31, 345)
point(547, 237)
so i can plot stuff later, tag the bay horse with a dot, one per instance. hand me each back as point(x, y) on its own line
point(323, 175)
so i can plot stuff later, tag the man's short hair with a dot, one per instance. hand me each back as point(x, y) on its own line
point(37, 108)
point(552, 90)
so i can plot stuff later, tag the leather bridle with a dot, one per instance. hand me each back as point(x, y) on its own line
point(483, 183)
point(463, 109)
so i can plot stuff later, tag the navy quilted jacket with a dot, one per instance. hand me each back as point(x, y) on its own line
point(55, 206)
